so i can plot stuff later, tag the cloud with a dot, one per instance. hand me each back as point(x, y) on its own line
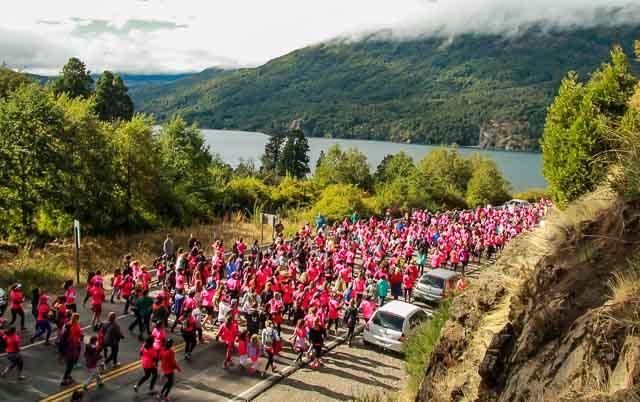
point(32, 52)
point(190, 35)
point(100, 26)
point(49, 22)
point(511, 17)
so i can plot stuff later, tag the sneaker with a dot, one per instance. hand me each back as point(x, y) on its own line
point(4, 373)
point(135, 388)
point(21, 378)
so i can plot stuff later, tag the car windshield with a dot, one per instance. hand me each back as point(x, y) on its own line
point(433, 281)
point(389, 321)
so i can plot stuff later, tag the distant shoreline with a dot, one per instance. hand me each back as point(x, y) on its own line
point(472, 147)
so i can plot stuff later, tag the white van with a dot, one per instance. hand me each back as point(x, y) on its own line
point(391, 323)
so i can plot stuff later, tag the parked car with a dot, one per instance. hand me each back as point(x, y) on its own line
point(517, 203)
point(390, 325)
point(434, 285)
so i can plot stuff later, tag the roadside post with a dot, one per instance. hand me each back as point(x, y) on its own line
point(76, 244)
point(269, 219)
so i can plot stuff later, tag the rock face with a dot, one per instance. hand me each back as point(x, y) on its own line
point(543, 326)
point(507, 135)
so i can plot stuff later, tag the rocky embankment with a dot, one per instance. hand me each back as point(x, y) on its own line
point(510, 136)
point(556, 319)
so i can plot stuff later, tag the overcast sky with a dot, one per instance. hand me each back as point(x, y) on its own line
point(190, 35)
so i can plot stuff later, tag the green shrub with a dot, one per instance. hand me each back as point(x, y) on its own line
point(339, 201)
point(420, 344)
point(246, 192)
point(292, 192)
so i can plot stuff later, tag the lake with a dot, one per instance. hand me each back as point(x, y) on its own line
point(522, 169)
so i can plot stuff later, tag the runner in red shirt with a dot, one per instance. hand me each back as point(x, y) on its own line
point(17, 298)
point(12, 341)
point(168, 366)
point(97, 298)
point(149, 357)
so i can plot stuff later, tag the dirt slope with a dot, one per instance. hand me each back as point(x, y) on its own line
point(545, 325)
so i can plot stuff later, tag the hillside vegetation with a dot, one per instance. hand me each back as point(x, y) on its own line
point(428, 90)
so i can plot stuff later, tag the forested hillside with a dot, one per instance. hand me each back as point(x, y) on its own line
point(427, 90)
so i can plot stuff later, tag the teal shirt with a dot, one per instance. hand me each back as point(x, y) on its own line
point(383, 287)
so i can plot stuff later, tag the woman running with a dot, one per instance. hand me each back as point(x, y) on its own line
point(17, 298)
point(168, 366)
point(149, 357)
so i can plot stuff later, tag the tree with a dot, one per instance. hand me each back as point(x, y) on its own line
point(88, 155)
point(74, 80)
point(295, 156)
point(272, 153)
point(487, 185)
point(185, 154)
point(440, 180)
point(575, 151)
point(137, 160)
point(11, 80)
point(112, 100)
point(186, 162)
point(340, 167)
point(30, 155)
point(393, 167)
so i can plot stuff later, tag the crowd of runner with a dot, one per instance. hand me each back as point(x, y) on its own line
point(324, 278)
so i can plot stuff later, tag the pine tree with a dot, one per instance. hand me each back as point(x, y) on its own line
point(295, 156)
point(272, 153)
point(112, 100)
point(75, 80)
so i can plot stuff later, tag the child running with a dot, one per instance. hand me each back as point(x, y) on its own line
point(92, 357)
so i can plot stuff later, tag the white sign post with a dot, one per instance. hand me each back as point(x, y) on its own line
point(76, 243)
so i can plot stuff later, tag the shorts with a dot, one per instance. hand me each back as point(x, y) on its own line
point(96, 308)
point(244, 360)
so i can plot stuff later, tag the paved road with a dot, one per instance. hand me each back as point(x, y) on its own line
point(348, 373)
point(203, 378)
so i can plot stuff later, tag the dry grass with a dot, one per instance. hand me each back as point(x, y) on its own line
point(51, 265)
point(625, 285)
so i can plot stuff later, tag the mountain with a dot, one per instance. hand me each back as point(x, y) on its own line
point(430, 90)
point(145, 94)
point(137, 80)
